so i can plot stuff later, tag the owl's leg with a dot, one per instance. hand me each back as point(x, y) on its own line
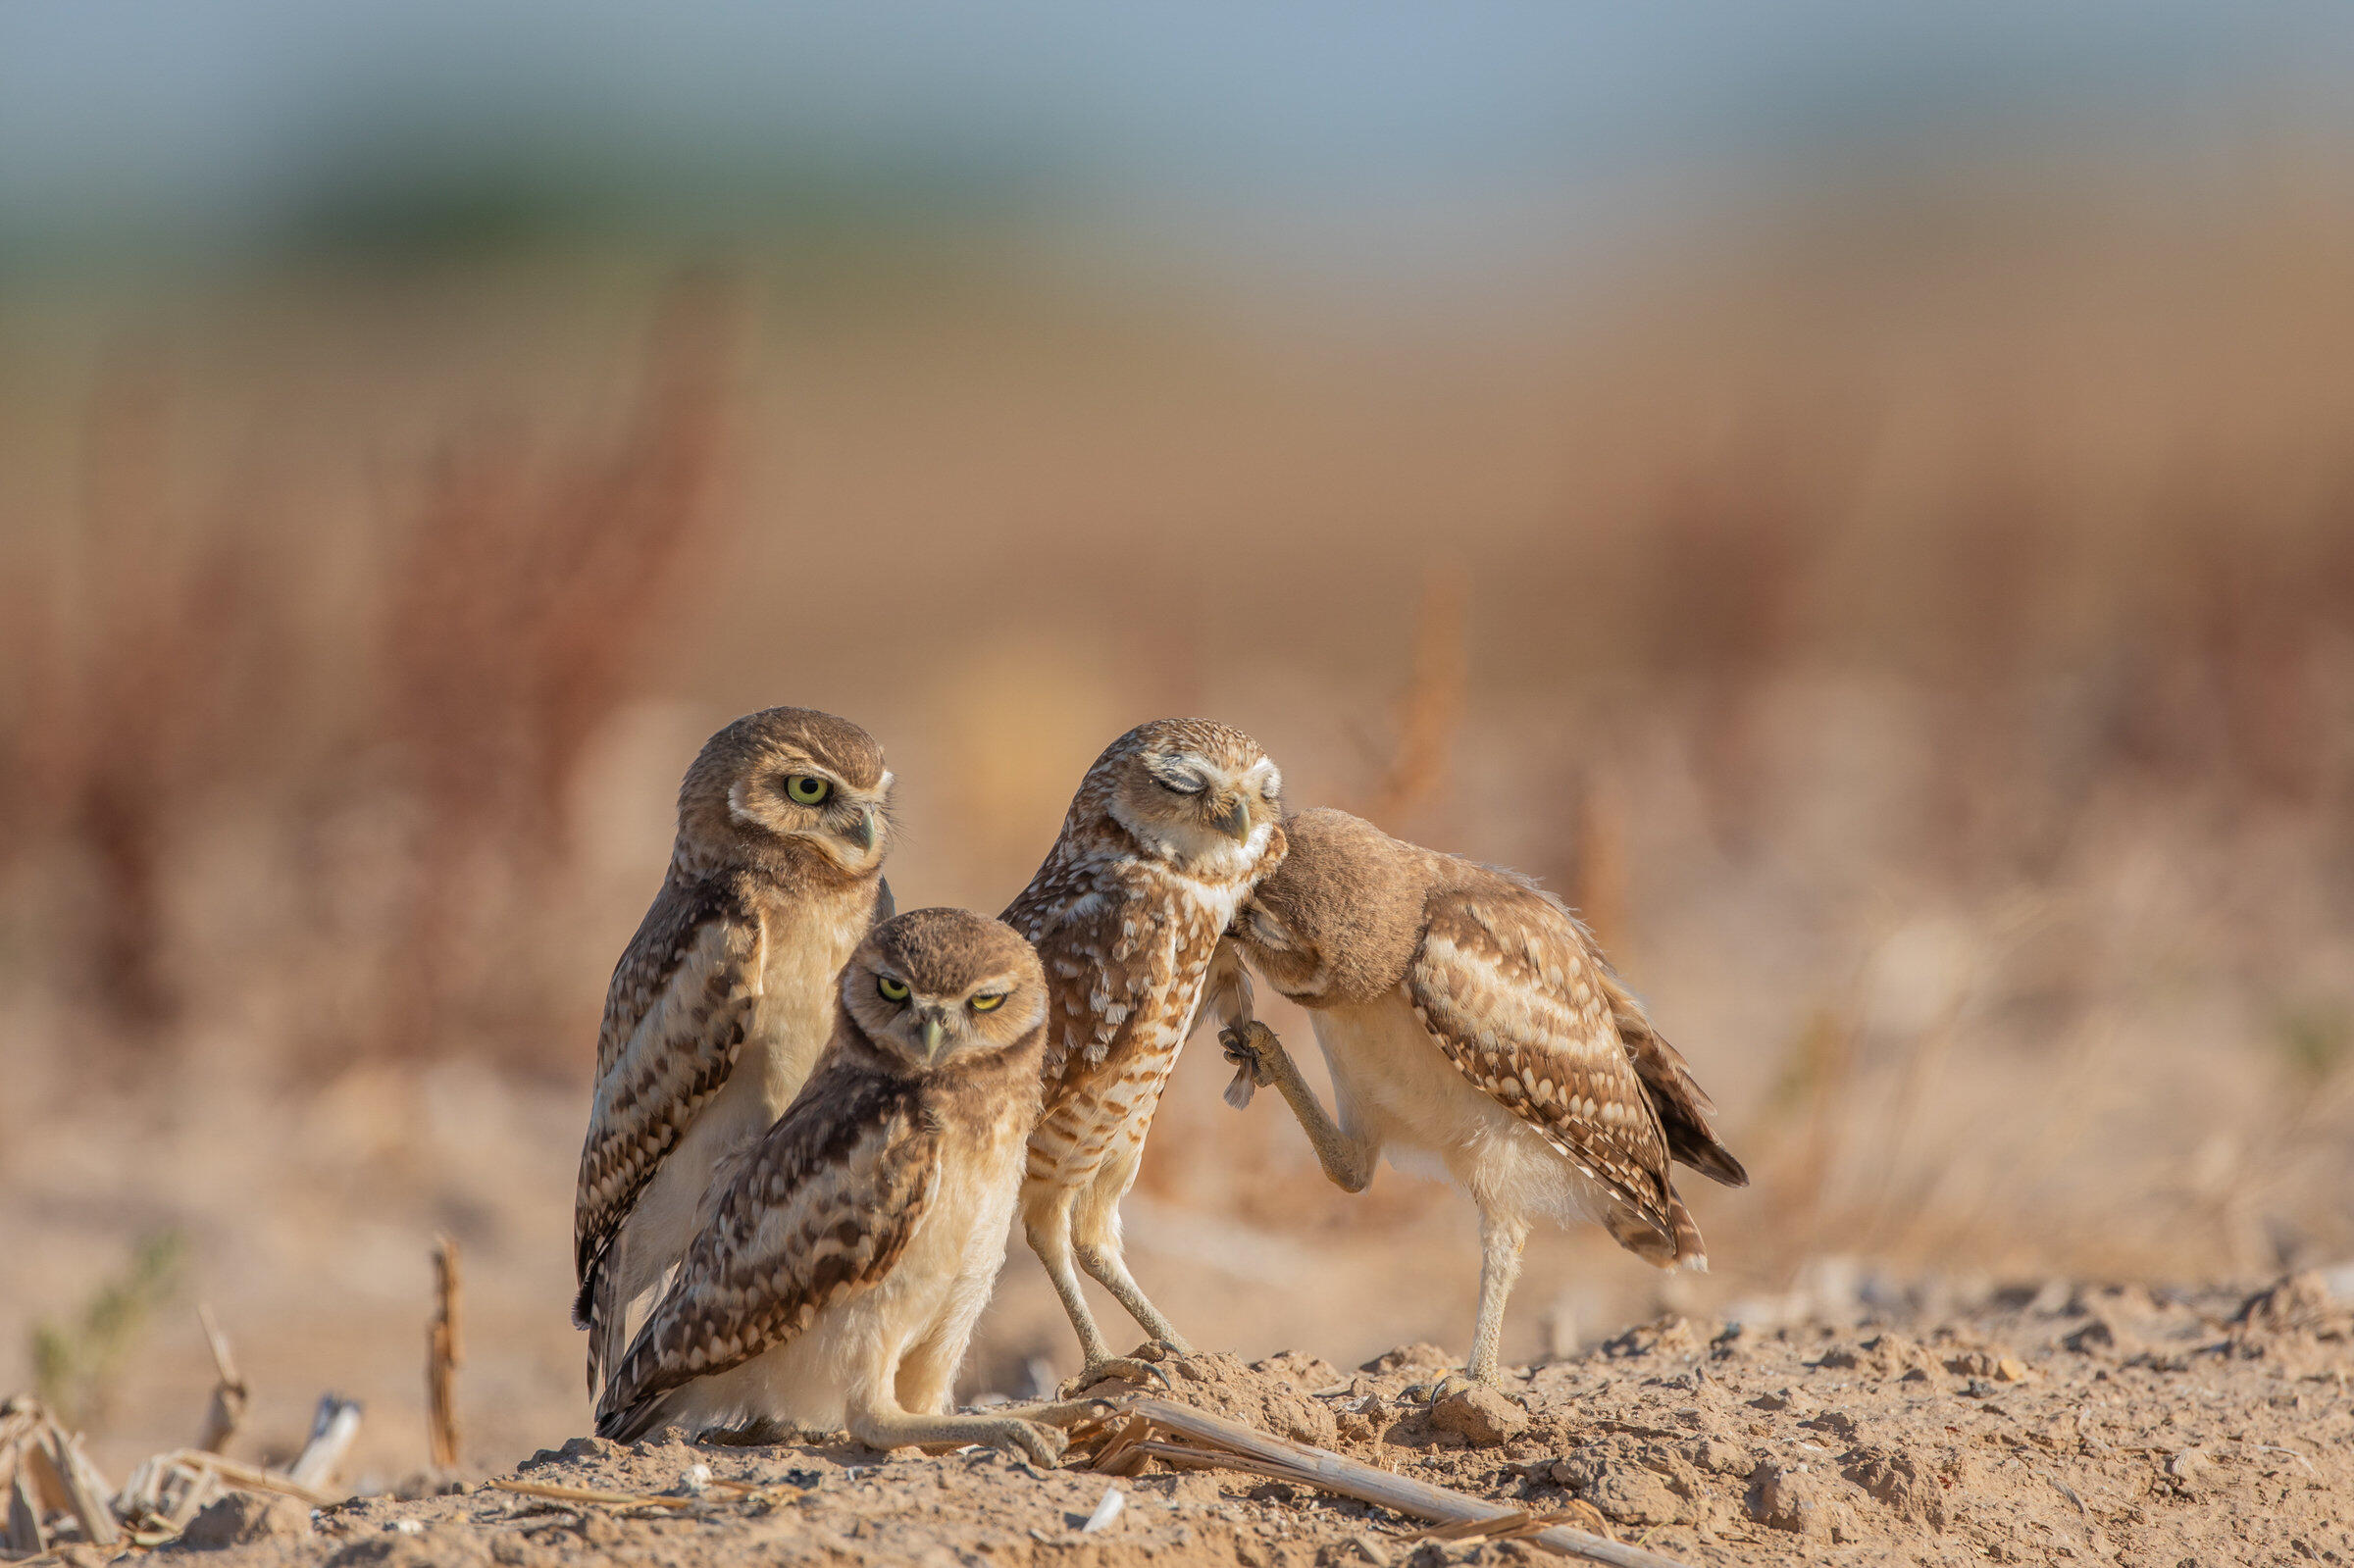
point(928, 1372)
point(1097, 1230)
point(877, 1421)
point(1047, 1222)
point(1500, 1240)
point(1348, 1160)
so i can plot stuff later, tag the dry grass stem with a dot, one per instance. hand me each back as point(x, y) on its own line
point(230, 1395)
point(442, 1354)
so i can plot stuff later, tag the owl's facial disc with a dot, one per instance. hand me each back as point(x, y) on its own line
point(802, 800)
point(927, 1026)
point(1200, 813)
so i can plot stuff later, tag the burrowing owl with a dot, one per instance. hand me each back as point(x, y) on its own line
point(725, 995)
point(1470, 1020)
point(1173, 825)
point(853, 1248)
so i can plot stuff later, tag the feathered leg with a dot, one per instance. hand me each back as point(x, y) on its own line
point(1047, 1223)
point(1348, 1161)
point(1097, 1233)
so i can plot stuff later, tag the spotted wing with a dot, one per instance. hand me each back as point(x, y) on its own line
point(1113, 957)
point(1505, 981)
point(676, 1013)
point(821, 1209)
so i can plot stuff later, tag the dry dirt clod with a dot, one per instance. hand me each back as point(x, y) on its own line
point(2191, 1473)
point(1480, 1415)
point(245, 1517)
point(1903, 1484)
point(1630, 1494)
point(434, 1547)
point(1781, 1497)
point(1719, 1457)
point(1420, 1357)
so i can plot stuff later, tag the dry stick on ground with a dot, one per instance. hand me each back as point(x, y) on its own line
point(1230, 1445)
point(619, 1500)
point(441, 1357)
point(253, 1478)
point(25, 1536)
point(230, 1395)
point(85, 1491)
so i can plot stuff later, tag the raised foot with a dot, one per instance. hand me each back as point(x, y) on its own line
point(1255, 1045)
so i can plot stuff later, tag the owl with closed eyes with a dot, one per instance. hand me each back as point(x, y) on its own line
point(1473, 1030)
point(1171, 828)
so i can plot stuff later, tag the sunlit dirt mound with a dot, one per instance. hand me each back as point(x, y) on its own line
point(2092, 1425)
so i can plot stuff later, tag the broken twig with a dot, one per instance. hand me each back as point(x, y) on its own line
point(617, 1499)
point(441, 1357)
point(229, 1394)
point(1215, 1441)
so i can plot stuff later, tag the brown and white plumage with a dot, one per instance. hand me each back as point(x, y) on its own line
point(1470, 1021)
point(1172, 825)
point(850, 1251)
point(719, 1005)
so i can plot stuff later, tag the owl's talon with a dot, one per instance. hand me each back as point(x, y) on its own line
point(1444, 1387)
point(1042, 1445)
point(1253, 1044)
point(1128, 1369)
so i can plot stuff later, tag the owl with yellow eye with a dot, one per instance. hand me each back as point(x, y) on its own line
point(721, 1003)
point(850, 1252)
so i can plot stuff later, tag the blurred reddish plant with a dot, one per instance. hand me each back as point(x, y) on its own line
point(523, 611)
point(125, 645)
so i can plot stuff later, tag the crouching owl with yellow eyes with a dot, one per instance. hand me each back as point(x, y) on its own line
point(852, 1252)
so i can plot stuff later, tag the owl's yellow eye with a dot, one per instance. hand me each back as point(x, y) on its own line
point(892, 990)
point(981, 1004)
point(807, 789)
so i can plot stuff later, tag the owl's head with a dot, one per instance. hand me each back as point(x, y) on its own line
point(933, 986)
point(1197, 795)
point(1338, 920)
point(792, 789)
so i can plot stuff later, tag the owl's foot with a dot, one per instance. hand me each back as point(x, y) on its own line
point(1256, 1052)
point(1064, 1413)
point(1034, 1441)
point(1127, 1369)
point(1446, 1385)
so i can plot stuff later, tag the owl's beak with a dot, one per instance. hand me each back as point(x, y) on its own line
point(1234, 821)
point(869, 830)
point(934, 1031)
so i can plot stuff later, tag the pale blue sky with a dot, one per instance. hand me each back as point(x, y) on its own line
point(216, 118)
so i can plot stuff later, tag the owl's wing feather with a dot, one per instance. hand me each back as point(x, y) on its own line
point(1684, 1107)
point(676, 1014)
point(1505, 981)
point(1112, 954)
point(823, 1208)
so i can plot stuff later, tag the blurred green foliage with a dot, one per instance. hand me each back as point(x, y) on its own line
point(77, 1363)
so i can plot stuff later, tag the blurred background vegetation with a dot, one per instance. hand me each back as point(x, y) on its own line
point(1860, 499)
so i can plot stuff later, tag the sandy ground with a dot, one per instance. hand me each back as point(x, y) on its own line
point(2062, 1425)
